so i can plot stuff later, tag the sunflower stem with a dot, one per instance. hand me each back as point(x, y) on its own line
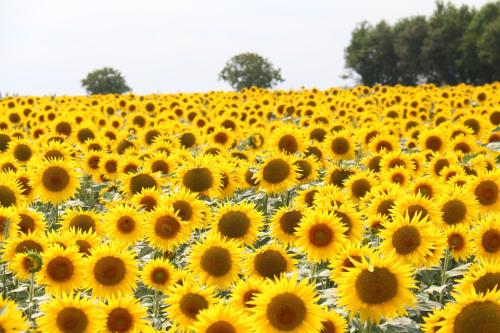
point(4, 264)
point(156, 306)
point(264, 204)
point(368, 327)
point(31, 296)
point(444, 269)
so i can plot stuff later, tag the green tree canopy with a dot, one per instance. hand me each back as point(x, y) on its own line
point(453, 45)
point(105, 81)
point(246, 70)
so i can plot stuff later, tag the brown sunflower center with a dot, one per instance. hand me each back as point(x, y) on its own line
point(221, 327)
point(111, 166)
point(317, 134)
point(289, 221)
point(349, 262)
point(249, 296)
point(374, 163)
point(487, 282)
point(234, 224)
point(425, 190)
point(82, 222)
point(24, 183)
point(160, 166)
point(309, 197)
point(125, 224)
point(187, 140)
point(55, 179)
point(22, 152)
point(63, 128)
point(221, 138)
point(398, 178)
point(167, 227)
point(183, 209)
point(413, 210)
point(288, 144)
point(340, 146)
point(491, 240)
point(28, 245)
point(109, 271)
point(148, 202)
point(433, 143)
point(328, 327)
point(198, 180)
point(216, 261)
point(276, 171)
point(360, 187)
point(320, 235)
point(160, 275)
point(286, 311)
point(304, 169)
point(72, 320)
point(486, 192)
point(119, 320)
point(339, 176)
point(454, 211)
point(7, 196)
point(27, 223)
point(60, 269)
point(270, 264)
point(406, 239)
point(385, 206)
point(191, 304)
point(140, 182)
point(376, 287)
point(456, 241)
point(83, 246)
point(478, 317)
point(383, 145)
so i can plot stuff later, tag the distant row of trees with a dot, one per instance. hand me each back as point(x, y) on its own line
point(244, 70)
point(453, 45)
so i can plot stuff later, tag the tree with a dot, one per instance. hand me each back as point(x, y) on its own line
point(371, 54)
point(105, 81)
point(246, 70)
point(409, 37)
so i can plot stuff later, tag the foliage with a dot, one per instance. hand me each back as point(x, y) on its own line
point(105, 81)
point(247, 70)
point(453, 45)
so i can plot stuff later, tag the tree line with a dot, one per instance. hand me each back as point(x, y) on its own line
point(453, 45)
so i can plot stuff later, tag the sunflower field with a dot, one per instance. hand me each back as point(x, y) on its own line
point(370, 209)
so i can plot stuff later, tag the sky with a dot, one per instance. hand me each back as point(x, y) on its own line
point(166, 46)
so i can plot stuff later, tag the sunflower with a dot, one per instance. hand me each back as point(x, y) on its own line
point(457, 206)
point(90, 164)
point(232, 178)
point(159, 274)
point(79, 219)
point(222, 138)
point(201, 175)
point(86, 241)
point(337, 175)
point(482, 276)
point(472, 313)
point(413, 204)
point(29, 221)
point(435, 139)
point(376, 289)
point(269, 262)
point(160, 162)
point(240, 222)
point(439, 161)
point(62, 269)
point(245, 291)
point(360, 184)
point(464, 144)
point(384, 142)
point(426, 186)
point(123, 314)
point(340, 145)
point(165, 229)
point(70, 314)
point(333, 323)
point(287, 139)
point(459, 241)
point(434, 321)
point(277, 173)
point(134, 183)
point(306, 197)
point(23, 179)
point(123, 223)
point(21, 150)
point(287, 305)
point(9, 222)
point(410, 239)
point(216, 261)
point(108, 166)
point(320, 235)
point(487, 238)
point(284, 222)
point(395, 159)
point(382, 202)
point(11, 318)
point(486, 188)
point(25, 265)
point(148, 198)
point(185, 301)
point(110, 270)
point(350, 218)
point(10, 192)
point(222, 318)
point(187, 206)
point(398, 176)
point(347, 256)
point(24, 243)
point(55, 180)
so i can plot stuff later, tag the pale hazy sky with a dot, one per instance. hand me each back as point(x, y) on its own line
point(47, 46)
